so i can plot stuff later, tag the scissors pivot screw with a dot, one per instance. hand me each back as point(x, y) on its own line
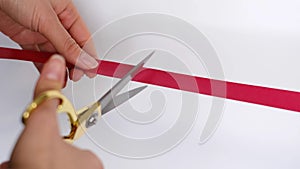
point(91, 121)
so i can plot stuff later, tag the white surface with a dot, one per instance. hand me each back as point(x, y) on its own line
point(257, 43)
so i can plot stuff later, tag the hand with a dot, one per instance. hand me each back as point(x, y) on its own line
point(40, 144)
point(52, 26)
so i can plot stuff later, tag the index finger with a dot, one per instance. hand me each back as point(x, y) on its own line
point(75, 25)
point(52, 27)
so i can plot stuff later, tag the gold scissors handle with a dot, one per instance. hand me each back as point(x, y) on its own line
point(77, 119)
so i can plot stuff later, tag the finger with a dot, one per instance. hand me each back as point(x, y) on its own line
point(47, 46)
point(91, 74)
point(71, 20)
point(52, 76)
point(76, 74)
point(4, 165)
point(65, 44)
point(30, 47)
point(43, 121)
point(19, 33)
point(90, 47)
point(39, 67)
point(39, 46)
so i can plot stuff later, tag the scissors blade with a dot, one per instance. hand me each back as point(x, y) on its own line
point(121, 98)
point(110, 94)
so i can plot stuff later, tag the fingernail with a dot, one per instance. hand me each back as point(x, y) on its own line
point(54, 68)
point(88, 60)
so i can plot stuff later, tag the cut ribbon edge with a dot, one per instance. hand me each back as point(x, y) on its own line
point(272, 97)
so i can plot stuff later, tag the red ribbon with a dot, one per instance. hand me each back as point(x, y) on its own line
point(277, 98)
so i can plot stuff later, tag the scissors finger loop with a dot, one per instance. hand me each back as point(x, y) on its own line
point(64, 107)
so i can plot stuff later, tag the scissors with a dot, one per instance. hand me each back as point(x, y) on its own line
point(88, 116)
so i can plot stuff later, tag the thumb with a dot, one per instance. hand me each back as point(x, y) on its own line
point(40, 137)
point(52, 76)
point(43, 119)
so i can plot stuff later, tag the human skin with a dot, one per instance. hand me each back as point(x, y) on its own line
point(52, 26)
point(40, 145)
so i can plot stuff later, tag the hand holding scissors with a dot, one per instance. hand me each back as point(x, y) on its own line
point(40, 144)
point(41, 139)
point(87, 116)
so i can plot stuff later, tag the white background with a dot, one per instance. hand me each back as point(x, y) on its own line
point(257, 43)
